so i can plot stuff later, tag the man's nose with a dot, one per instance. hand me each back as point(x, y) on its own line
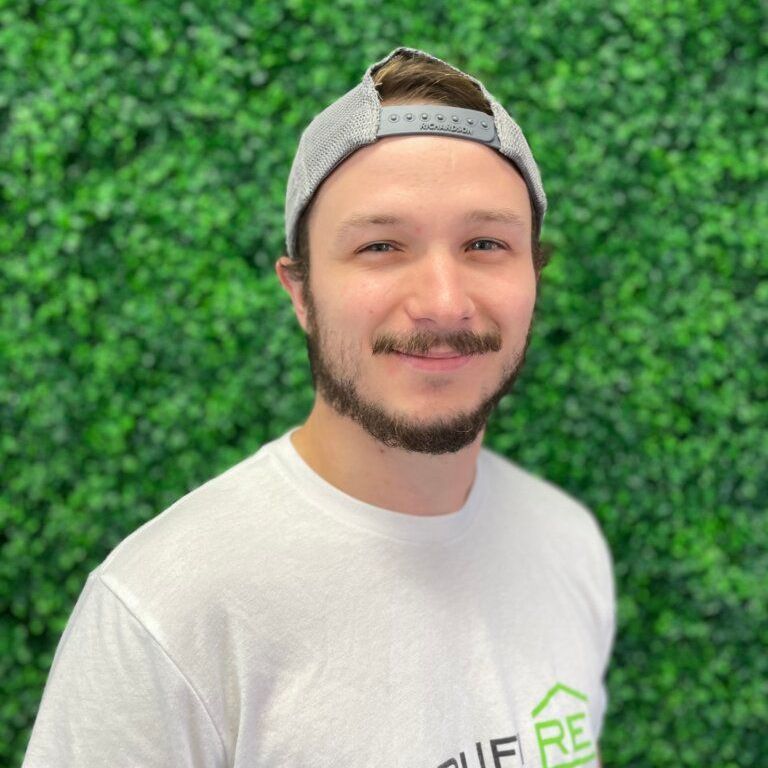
point(438, 289)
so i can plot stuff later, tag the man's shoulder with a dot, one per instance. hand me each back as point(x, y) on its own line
point(199, 539)
point(544, 504)
point(552, 528)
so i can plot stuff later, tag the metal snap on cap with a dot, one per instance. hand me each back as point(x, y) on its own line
point(409, 116)
point(393, 118)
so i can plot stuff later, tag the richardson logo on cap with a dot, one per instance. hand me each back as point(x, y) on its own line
point(432, 127)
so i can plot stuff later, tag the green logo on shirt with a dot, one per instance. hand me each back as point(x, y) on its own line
point(560, 719)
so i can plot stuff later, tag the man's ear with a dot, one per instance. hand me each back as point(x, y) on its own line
point(293, 287)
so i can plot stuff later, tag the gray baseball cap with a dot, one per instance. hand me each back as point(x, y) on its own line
point(358, 118)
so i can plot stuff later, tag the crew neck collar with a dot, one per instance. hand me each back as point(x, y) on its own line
point(350, 510)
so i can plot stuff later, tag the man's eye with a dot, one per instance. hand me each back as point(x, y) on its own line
point(492, 242)
point(373, 247)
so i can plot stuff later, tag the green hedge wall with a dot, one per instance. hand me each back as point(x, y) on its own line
point(146, 345)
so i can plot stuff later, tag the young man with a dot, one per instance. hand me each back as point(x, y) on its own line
point(372, 588)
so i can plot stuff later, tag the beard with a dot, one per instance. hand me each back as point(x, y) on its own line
point(447, 434)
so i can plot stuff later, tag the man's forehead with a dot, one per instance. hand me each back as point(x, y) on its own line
point(361, 219)
point(403, 154)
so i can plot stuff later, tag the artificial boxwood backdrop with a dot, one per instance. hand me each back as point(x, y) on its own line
point(146, 344)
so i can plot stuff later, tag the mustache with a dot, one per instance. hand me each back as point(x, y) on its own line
point(422, 342)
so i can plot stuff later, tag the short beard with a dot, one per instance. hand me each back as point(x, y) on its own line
point(445, 435)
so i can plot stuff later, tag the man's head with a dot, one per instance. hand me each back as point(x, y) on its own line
point(427, 244)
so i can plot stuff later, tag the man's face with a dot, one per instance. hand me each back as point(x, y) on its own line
point(425, 277)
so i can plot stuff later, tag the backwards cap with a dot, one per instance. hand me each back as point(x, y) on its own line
point(358, 118)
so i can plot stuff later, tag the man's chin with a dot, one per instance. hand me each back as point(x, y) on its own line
point(429, 426)
point(428, 434)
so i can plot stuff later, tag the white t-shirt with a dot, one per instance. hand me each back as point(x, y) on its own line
point(269, 619)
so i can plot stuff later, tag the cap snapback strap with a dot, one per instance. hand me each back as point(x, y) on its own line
point(438, 119)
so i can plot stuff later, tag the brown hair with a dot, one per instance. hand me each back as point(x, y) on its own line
point(409, 78)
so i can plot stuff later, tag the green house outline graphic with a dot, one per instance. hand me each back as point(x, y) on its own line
point(552, 732)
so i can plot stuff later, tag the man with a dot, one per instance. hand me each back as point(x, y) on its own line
point(373, 588)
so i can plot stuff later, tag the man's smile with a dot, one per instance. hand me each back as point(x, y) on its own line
point(435, 353)
point(436, 362)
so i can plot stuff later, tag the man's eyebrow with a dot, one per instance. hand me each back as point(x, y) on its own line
point(503, 215)
point(357, 221)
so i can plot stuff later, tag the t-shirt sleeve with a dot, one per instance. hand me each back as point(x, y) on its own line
point(607, 630)
point(114, 697)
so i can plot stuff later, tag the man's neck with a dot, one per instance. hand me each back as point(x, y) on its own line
point(345, 455)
